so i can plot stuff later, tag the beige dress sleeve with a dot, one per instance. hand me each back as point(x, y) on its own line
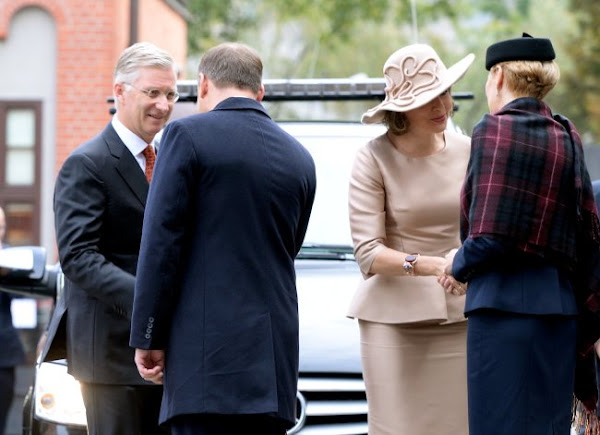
point(411, 205)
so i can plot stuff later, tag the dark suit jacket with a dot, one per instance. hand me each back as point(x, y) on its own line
point(226, 216)
point(99, 202)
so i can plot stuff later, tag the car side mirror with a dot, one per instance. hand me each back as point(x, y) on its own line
point(23, 270)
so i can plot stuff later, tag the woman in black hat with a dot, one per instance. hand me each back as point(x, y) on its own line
point(530, 231)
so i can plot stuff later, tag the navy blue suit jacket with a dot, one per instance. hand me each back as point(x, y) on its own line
point(227, 213)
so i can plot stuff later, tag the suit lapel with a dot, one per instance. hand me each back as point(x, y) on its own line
point(126, 165)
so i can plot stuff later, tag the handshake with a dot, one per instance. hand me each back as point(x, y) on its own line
point(446, 280)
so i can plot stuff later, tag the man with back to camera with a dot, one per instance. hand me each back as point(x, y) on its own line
point(99, 203)
point(215, 307)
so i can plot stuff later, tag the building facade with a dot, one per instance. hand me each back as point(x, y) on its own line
point(57, 59)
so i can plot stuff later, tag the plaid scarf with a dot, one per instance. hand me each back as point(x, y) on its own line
point(519, 187)
point(527, 186)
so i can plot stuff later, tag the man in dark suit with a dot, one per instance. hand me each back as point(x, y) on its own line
point(11, 350)
point(99, 202)
point(215, 305)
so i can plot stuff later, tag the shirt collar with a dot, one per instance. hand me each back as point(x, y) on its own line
point(132, 141)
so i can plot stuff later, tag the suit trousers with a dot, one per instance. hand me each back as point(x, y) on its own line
point(520, 373)
point(219, 424)
point(122, 409)
point(7, 385)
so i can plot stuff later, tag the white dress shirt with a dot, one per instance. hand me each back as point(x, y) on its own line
point(132, 141)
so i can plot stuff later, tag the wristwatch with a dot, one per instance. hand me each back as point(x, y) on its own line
point(409, 263)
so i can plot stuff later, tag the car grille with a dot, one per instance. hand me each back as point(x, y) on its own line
point(331, 405)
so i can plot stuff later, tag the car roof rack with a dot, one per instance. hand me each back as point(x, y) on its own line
point(337, 89)
point(334, 89)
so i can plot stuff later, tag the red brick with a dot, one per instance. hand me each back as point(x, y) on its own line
point(90, 35)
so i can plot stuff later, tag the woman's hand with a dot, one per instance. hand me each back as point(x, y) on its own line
point(430, 266)
point(451, 285)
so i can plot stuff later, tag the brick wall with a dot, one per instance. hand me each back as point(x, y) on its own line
point(162, 26)
point(91, 35)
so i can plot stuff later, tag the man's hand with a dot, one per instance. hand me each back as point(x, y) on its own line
point(150, 364)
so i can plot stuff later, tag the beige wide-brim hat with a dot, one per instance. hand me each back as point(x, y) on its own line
point(414, 76)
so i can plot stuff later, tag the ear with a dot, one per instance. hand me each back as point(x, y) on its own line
point(261, 93)
point(202, 86)
point(499, 78)
point(118, 90)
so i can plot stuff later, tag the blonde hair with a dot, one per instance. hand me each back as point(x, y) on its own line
point(530, 78)
point(396, 122)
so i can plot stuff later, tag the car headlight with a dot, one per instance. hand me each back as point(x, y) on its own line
point(58, 395)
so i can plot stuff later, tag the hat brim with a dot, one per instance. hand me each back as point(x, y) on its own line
point(452, 75)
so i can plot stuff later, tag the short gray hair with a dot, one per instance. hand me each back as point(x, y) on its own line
point(233, 64)
point(141, 55)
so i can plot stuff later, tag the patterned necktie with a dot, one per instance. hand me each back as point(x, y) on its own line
point(150, 158)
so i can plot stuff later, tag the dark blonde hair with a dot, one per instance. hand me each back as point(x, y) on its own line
point(530, 78)
point(396, 122)
point(233, 64)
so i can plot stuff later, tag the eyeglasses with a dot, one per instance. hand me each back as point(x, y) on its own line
point(153, 94)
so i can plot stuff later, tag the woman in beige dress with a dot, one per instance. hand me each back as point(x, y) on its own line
point(404, 216)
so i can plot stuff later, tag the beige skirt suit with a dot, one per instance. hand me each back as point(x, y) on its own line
point(413, 333)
